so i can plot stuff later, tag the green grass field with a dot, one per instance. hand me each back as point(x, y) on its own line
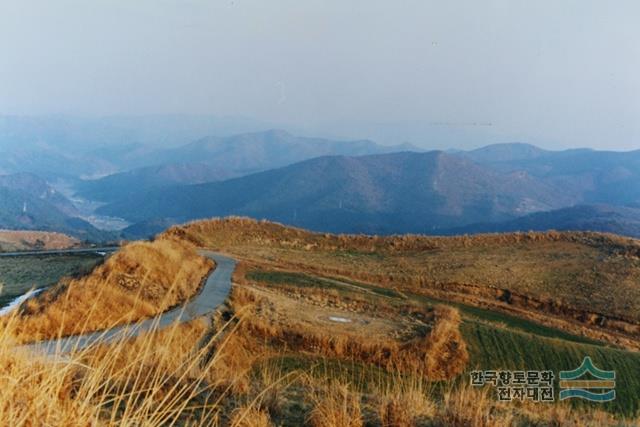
point(470, 312)
point(492, 348)
point(308, 281)
point(290, 278)
point(496, 341)
point(19, 274)
point(508, 321)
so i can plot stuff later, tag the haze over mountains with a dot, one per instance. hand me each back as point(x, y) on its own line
point(501, 187)
point(54, 146)
point(592, 176)
point(217, 158)
point(29, 203)
point(387, 193)
point(316, 183)
point(612, 219)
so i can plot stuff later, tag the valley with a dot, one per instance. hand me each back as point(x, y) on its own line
point(355, 186)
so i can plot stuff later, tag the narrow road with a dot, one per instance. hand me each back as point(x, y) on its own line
point(214, 292)
point(59, 252)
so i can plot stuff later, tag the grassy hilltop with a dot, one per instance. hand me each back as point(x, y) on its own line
point(336, 330)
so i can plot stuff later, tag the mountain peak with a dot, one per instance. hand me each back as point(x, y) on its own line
point(505, 152)
point(279, 133)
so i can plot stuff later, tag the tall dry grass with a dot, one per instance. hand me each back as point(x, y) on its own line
point(139, 281)
point(447, 354)
point(405, 401)
point(552, 278)
point(231, 231)
point(439, 355)
point(199, 375)
point(335, 406)
point(409, 401)
point(466, 406)
point(156, 379)
point(250, 417)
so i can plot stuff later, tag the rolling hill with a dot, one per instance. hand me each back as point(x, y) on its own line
point(385, 193)
point(35, 186)
point(72, 147)
point(251, 152)
point(594, 177)
point(218, 158)
point(503, 187)
point(11, 240)
point(29, 203)
point(128, 184)
point(602, 218)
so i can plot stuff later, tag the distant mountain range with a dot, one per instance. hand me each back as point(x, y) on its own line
point(387, 193)
point(29, 203)
point(603, 218)
point(70, 147)
point(218, 158)
point(321, 184)
point(604, 177)
point(504, 187)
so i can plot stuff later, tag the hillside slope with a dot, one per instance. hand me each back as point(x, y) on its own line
point(29, 203)
point(127, 185)
point(218, 158)
point(386, 193)
point(586, 283)
point(251, 152)
point(72, 147)
point(36, 187)
point(606, 177)
point(372, 330)
point(603, 218)
point(11, 240)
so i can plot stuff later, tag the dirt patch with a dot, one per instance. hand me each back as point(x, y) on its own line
point(396, 337)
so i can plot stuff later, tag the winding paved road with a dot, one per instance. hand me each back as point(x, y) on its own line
point(214, 292)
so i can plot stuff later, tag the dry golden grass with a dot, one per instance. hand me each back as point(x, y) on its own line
point(250, 417)
point(405, 401)
point(439, 355)
point(233, 231)
point(336, 406)
point(466, 406)
point(141, 280)
point(157, 379)
point(584, 283)
point(408, 402)
point(18, 240)
point(189, 374)
point(204, 375)
point(447, 354)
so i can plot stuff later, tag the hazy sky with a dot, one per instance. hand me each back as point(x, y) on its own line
point(439, 74)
